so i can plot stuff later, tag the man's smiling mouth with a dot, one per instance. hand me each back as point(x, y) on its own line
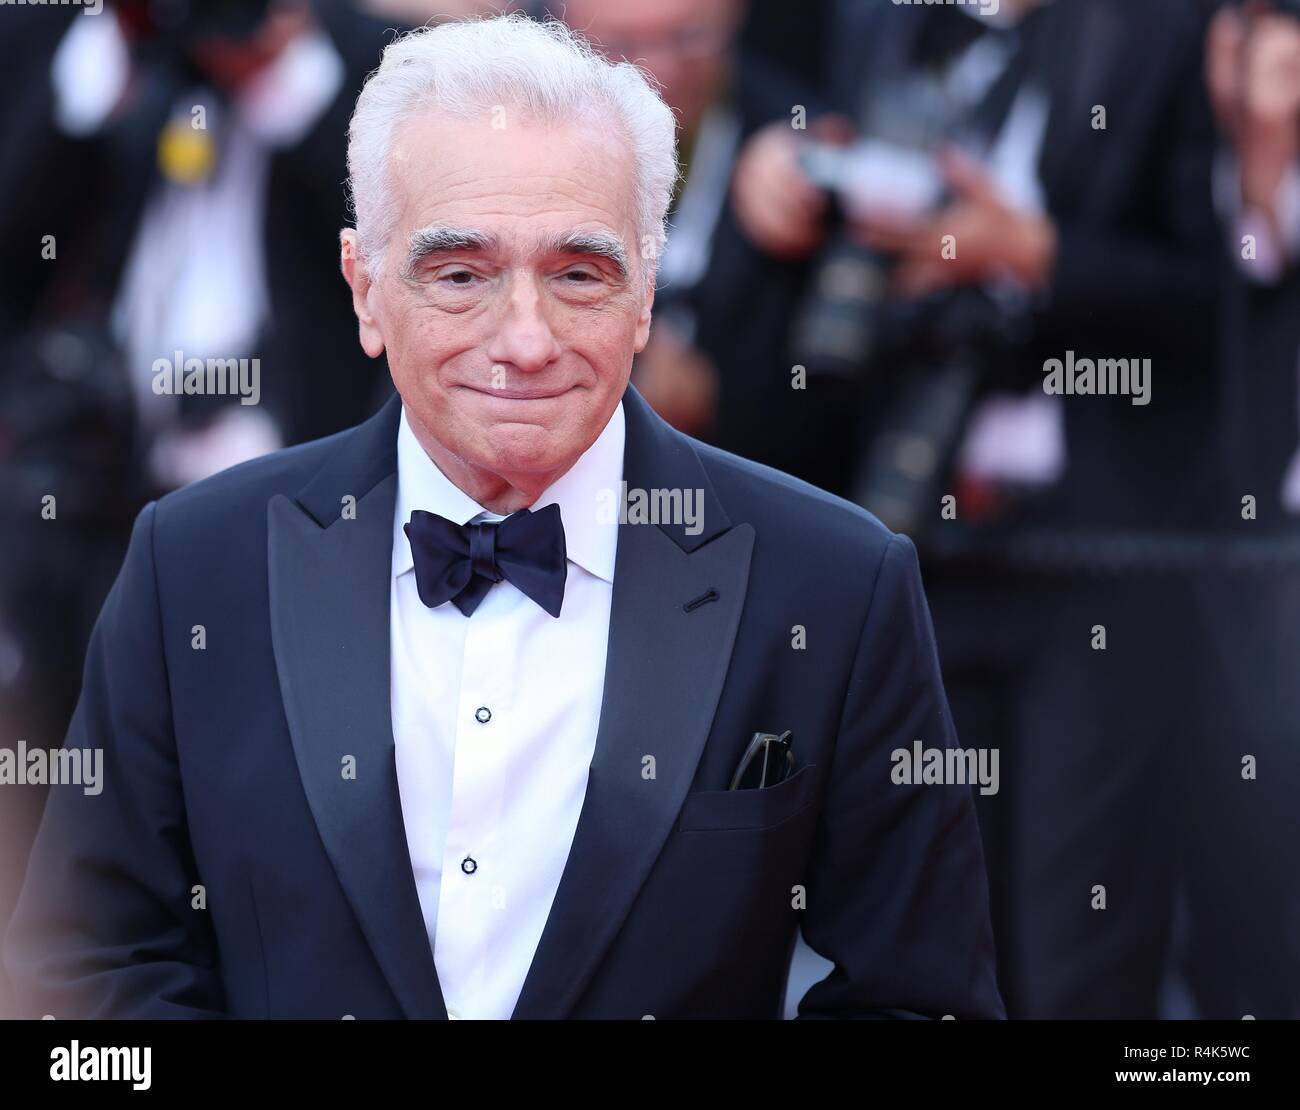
point(522, 394)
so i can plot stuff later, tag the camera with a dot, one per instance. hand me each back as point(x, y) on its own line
point(918, 366)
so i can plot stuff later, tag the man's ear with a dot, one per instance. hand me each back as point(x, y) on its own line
point(643, 320)
point(363, 292)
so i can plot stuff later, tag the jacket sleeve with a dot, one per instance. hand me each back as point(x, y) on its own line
point(897, 893)
point(104, 926)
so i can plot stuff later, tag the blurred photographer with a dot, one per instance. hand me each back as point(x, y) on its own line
point(165, 203)
point(198, 124)
point(973, 197)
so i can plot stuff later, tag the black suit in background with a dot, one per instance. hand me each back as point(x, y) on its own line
point(1117, 791)
point(679, 898)
point(1089, 739)
point(782, 50)
point(1242, 882)
point(1095, 835)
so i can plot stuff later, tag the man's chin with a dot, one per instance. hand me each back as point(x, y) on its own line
point(525, 447)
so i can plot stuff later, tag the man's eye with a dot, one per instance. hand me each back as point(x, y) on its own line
point(580, 277)
point(459, 277)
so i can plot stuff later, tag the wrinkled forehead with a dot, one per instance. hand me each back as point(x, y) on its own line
point(514, 176)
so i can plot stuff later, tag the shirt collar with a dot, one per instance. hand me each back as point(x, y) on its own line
point(590, 535)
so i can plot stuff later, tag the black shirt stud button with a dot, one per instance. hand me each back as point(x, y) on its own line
point(469, 865)
point(482, 714)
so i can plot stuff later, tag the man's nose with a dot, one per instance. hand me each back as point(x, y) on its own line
point(524, 338)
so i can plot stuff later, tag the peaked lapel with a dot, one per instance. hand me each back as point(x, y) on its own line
point(329, 595)
point(664, 671)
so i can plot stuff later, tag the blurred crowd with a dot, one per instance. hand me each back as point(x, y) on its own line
point(893, 219)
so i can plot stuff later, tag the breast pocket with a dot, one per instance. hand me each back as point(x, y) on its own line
point(722, 810)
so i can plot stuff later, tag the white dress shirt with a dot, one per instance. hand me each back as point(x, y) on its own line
point(494, 721)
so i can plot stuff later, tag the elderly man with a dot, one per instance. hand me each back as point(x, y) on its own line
point(511, 701)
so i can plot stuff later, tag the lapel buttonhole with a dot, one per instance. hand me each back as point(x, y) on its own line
point(710, 594)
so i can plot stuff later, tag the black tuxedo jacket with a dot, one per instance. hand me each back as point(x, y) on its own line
point(222, 767)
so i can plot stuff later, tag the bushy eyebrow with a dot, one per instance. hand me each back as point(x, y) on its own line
point(444, 240)
point(599, 244)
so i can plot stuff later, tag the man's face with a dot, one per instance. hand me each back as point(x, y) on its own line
point(509, 319)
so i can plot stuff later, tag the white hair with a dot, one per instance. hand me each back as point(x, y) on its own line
point(465, 68)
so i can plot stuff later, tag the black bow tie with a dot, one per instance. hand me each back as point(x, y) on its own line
point(461, 562)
